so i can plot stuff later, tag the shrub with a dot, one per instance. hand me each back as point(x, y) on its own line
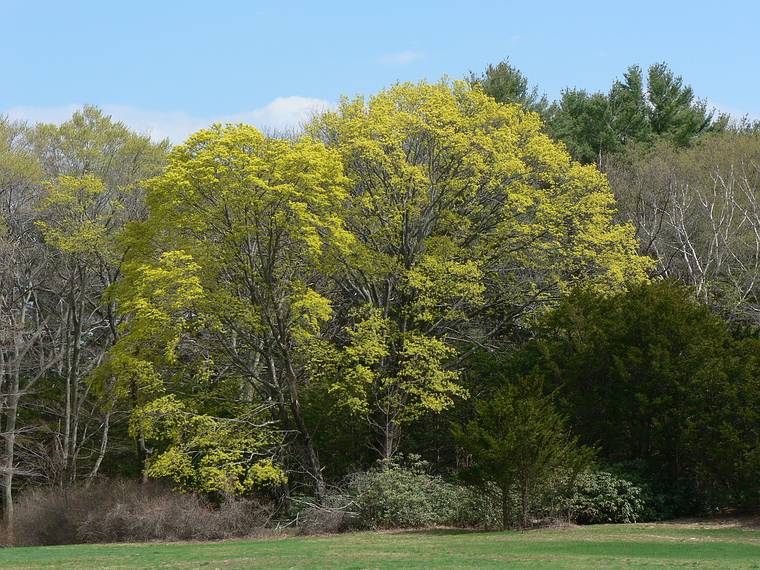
point(126, 511)
point(399, 494)
point(601, 497)
point(663, 502)
point(590, 498)
point(402, 496)
point(479, 507)
point(334, 515)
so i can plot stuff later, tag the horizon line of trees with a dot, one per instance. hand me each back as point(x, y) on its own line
point(639, 112)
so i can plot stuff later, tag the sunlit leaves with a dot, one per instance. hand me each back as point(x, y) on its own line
point(467, 217)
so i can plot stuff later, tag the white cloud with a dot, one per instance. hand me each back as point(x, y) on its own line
point(40, 114)
point(281, 114)
point(401, 57)
point(284, 113)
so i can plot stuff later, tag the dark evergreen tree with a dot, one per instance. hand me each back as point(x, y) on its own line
point(517, 441)
point(507, 84)
point(658, 382)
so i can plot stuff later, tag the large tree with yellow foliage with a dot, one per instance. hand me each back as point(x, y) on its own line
point(370, 257)
point(222, 287)
point(468, 219)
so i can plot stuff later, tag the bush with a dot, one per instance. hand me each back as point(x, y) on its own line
point(601, 497)
point(479, 507)
point(399, 494)
point(126, 511)
point(334, 515)
point(663, 502)
point(592, 497)
point(402, 496)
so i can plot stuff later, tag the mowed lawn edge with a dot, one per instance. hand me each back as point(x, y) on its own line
point(600, 546)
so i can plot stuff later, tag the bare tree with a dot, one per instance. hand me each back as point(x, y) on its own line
point(65, 193)
point(697, 213)
point(24, 330)
point(93, 168)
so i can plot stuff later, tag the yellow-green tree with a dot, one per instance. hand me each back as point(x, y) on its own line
point(468, 219)
point(223, 279)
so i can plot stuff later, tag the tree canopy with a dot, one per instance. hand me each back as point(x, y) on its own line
point(635, 112)
point(661, 385)
point(467, 218)
point(267, 316)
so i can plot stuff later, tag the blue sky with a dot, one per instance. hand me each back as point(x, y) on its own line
point(168, 68)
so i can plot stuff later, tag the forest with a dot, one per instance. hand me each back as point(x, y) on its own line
point(447, 303)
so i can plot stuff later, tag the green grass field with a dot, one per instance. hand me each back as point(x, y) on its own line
point(601, 547)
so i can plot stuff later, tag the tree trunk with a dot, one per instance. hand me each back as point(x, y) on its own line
point(102, 452)
point(141, 452)
point(10, 445)
point(142, 458)
point(389, 441)
point(320, 490)
point(525, 497)
point(14, 383)
point(505, 508)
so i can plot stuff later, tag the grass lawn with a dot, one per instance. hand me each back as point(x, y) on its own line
point(600, 547)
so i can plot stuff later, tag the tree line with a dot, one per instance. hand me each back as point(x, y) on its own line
point(460, 270)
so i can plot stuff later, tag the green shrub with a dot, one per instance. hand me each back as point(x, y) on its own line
point(663, 503)
point(601, 497)
point(403, 494)
point(592, 497)
point(478, 507)
point(396, 495)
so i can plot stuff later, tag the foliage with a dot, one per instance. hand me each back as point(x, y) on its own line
point(507, 84)
point(652, 376)
point(221, 281)
point(583, 122)
point(206, 453)
point(580, 497)
point(256, 314)
point(467, 219)
point(394, 495)
point(67, 191)
point(404, 494)
point(479, 507)
point(599, 497)
point(634, 113)
point(518, 440)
